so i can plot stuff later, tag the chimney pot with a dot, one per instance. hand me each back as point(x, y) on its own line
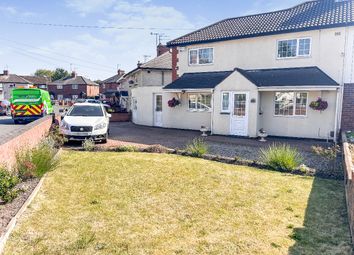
point(6, 72)
point(139, 64)
point(73, 74)
point(120, 72)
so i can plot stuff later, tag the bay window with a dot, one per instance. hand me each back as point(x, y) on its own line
point(294, 48)
point(290, 104)
point(199, 102)
point(201, 56)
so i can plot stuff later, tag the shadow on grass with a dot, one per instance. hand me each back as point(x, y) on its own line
point(325, 229)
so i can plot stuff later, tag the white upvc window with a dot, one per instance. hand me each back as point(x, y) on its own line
point(202, 56)
point(75, 86)
point(59, 86)
point(74, 97)
point(293, 48)
point(225, 102)
point(60, 97)
point(290, 103)
point(199, 102)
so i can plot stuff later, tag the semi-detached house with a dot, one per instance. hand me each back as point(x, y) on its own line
point(262, 72)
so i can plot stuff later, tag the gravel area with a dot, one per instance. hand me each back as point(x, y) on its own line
point(9, 210)
point(245, 148)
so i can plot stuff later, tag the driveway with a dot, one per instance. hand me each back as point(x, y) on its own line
point(219, 145)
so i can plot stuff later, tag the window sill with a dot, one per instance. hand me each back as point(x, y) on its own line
point(225, 113)
point(297, 57)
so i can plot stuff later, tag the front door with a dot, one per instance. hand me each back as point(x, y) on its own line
point(134, 108)
point(239, 114)
point(158, 110)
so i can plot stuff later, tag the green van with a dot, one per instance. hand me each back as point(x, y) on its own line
point(28, 104)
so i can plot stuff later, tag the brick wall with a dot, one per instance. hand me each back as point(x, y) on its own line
point(174, 63)
point(109, 86)
point(67, 91)
point(27, 136)
point(348, 107)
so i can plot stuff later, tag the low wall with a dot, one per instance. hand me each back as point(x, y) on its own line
point(120, 117)
point(349, 182)
point(26, 136)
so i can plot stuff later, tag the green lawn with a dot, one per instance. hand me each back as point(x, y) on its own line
point(134, 203)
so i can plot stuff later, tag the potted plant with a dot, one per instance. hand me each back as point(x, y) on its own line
point(173, 102)
point(319, 105)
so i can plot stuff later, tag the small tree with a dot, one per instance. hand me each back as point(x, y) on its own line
point(44, 73)
point(59, 73)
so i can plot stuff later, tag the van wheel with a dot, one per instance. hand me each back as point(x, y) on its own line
point(16, 122)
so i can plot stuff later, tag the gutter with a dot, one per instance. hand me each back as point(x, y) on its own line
point(299, 88)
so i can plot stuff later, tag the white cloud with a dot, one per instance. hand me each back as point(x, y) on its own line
point(89, 6)
point(12, 11)
point(261, 6)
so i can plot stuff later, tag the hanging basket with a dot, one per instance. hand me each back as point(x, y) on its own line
point(173, 102)
point(319, 105)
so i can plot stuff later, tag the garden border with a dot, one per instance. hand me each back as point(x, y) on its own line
point(11, 225)
point(348, 182)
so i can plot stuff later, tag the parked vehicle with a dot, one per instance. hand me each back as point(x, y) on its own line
point(28, 104)
point(86, 121)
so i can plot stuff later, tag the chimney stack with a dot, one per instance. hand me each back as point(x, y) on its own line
point(6, 72)
point(120, 72)
point(73, 74)
point(139, 64)
point(161, 49)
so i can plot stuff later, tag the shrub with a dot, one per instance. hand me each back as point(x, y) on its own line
point(37, 161)
point(329, 153)
point(197, 148)
point(8, 183)
point(126, 148)
point(281, 157)
point(88, 145)
point(156, 149)
point(55, 135)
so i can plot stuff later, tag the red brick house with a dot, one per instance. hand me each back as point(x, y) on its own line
point(111, 84)
point(73, 87)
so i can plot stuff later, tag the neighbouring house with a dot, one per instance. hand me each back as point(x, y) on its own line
point(10, 81)
point(73, 87)
point(283, 73)
point(37, 81)
point(112, 84)
point(145, 87)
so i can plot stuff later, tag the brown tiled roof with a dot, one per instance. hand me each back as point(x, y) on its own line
point(13, 78)
point(311, 15)
point(78, 80)
point(36, 80)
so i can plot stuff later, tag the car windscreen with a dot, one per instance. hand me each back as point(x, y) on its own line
point(86, 110)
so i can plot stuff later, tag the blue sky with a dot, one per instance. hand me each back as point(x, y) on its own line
point(96, 53)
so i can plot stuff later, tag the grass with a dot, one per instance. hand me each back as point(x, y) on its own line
point(135, 203)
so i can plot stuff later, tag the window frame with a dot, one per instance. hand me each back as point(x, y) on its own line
point(75, 86)
point(198, 63)
point(297, 48)
point(294, 101)
point(228, 110)
point(59, 87)
point(196, 109)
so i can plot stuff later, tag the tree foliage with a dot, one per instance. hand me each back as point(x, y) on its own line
point(44, 73)
point(52, 74)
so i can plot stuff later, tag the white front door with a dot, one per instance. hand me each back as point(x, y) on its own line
point(158, 110)
point(239, 114)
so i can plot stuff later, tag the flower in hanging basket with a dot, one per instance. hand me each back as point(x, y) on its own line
point(319, 105)
point(173, 102)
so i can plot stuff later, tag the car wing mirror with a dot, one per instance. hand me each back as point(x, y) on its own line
point(109, 115)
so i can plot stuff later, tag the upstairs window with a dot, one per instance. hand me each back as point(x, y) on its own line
point(203, 56)
point(75, 86)
point(294, 48)
point(59, 86)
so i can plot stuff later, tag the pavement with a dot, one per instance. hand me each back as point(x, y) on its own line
point(7, 127)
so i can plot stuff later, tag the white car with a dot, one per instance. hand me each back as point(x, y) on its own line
point(86, 121)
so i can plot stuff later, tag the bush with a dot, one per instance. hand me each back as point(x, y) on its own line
point(88, 145)
point(197, 148)
point(156, 149)
point(281, 157)
point(8, 183)
point(55, 135)
point(35, 162)
point(126, 148)
point(328, 153)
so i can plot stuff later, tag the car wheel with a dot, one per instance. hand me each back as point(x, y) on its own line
point(105, 139)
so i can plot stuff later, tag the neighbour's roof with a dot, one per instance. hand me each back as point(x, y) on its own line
point(311, 15)
point(113, 79)
point(300, 76)
point(162, 62)
point(205, 80)
point(13, 78)
point(71, 80)
point(37, 80)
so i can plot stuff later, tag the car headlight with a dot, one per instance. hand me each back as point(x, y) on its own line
point(64, 125)
point(100, 126)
